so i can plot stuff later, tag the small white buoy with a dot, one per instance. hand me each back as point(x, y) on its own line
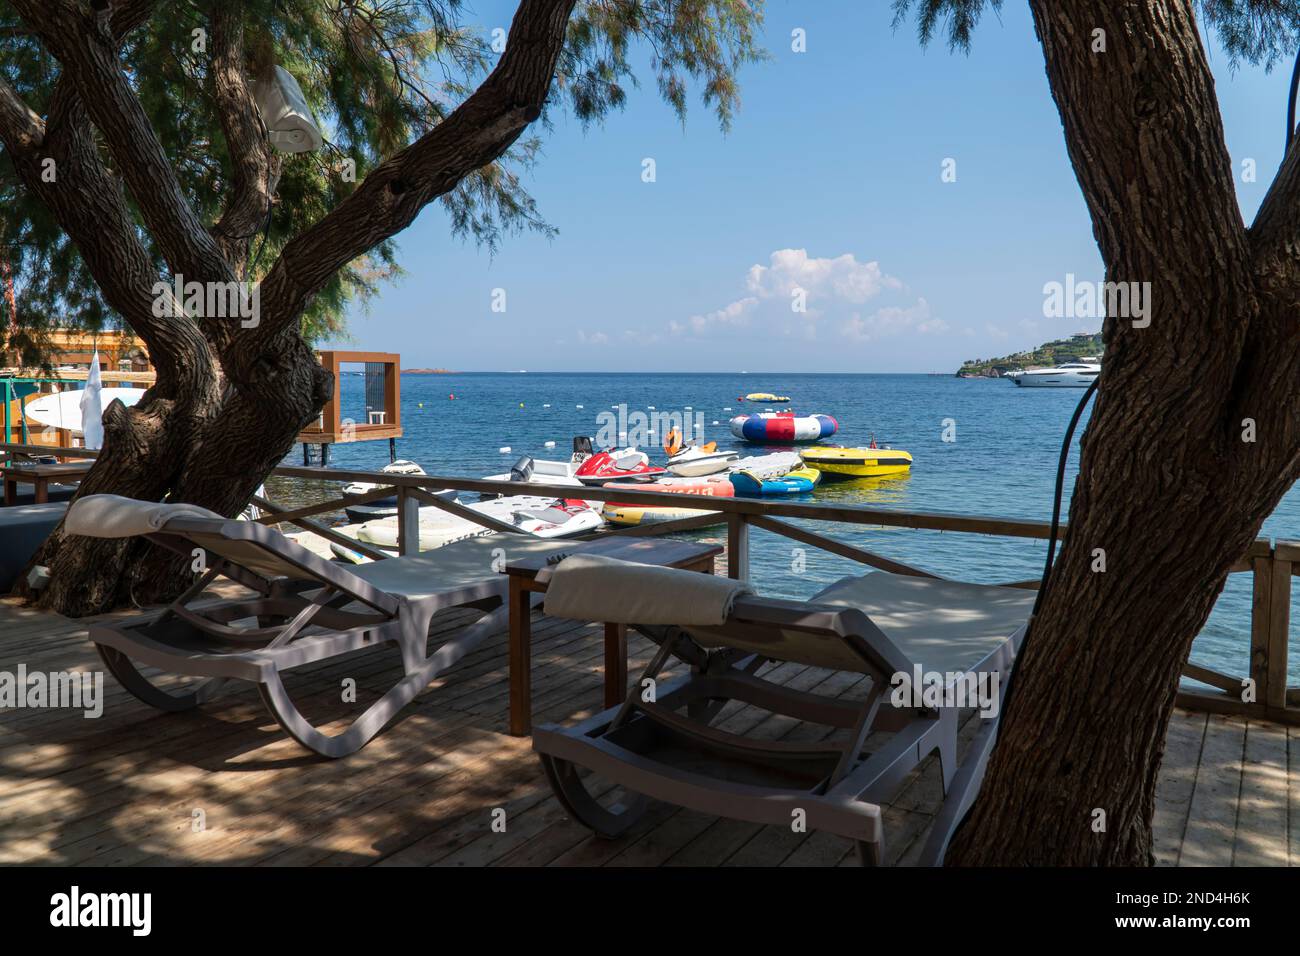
point(504, 450)
point(716, 422)
point(578, 406)
point(727, 409)
point(690, 408)
point(650, 408)
point(546, 406)
point(550, 444)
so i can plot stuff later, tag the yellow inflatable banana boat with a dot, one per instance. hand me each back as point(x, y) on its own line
point(835, 463)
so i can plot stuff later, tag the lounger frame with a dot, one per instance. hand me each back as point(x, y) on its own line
point(844, 785)
point(317, 612)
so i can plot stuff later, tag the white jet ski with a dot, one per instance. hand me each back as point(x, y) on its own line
point(696, 461)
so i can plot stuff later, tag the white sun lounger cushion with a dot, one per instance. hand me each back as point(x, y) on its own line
point(942, 625)
point(594, 588)
point(112, 516)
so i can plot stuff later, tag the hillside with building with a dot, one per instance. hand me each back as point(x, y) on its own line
point(1072, 349)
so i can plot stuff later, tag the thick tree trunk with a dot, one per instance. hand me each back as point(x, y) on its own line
point(229, 399)
point(212, 452)
point(1172, 488)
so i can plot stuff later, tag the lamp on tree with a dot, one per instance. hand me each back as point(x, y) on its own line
point(289, 121)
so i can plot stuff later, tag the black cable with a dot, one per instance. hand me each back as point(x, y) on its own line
point(1060, 489)
point(1052, 535)
point(1290, 105)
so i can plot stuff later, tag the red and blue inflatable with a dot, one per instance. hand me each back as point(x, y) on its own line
point(783, 427)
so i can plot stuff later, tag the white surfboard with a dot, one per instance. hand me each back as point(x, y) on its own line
point(63, 409)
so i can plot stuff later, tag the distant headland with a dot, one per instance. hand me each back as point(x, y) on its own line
point(427, 371)
point(1077, 346)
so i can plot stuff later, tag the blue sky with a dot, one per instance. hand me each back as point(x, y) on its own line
point(830, 181)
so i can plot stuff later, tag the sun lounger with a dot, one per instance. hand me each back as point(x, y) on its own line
point(306, 610)
point(882, 626)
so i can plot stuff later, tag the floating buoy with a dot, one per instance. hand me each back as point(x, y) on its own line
point(690, 408)
point(727, 409)
point(577, 406)
point(505, 450)
point(546, 406)
point(716, 422)
point(521, 404)
point(550, 444)
point(650, 408)
point(452, 396)
point(421, 404)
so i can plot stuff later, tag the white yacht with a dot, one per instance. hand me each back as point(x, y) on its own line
point(1078, 374)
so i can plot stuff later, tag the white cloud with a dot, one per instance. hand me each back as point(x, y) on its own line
point(593, 338)
point(735, 314)
point(833, 289)
point(892, 320)
point(842, 278)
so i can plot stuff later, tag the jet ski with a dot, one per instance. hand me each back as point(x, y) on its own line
point(625, 464)
point(694, 460)
point(384, 507)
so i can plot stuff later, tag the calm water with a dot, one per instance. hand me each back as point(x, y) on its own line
point(1002, 462)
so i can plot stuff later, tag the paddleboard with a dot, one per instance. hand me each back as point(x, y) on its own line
point(63, 409)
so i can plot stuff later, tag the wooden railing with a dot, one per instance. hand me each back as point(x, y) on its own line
point(1263, 693)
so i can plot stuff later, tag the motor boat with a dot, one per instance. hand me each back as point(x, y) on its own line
point(625, 464)
point(1078, 374)
point(539, 471)
point(838, 463)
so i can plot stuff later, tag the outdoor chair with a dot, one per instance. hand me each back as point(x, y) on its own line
point(880, 625)
point(306, 610)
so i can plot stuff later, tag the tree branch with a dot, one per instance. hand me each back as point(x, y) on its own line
point(478, 132)
point(246, 144)
point(85, 47)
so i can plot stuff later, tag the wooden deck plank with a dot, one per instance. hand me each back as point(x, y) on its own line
point(1212, 820)
point(120, 790)
point(1261, 836)
point(1183, 744)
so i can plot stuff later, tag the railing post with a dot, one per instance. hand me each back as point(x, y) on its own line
point(737, 547)
point(1261, 621)
point(1284, 554)
point(408, 522)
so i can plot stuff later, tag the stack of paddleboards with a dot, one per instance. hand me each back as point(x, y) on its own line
point(781, 473)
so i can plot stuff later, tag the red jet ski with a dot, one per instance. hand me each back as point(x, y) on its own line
point(625, 464)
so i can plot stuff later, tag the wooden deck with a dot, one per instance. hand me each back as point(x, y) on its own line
point(225, 785)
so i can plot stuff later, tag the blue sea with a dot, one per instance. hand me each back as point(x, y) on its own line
point(1002, 462)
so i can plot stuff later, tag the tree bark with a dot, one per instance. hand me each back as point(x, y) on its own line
point(1168, 489)
point(229, 400)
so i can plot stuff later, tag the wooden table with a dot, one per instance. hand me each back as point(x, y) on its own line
point(41, 476)
point(662, 552)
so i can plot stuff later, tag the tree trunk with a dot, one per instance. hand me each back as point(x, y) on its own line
point(1172, 488)
point(212, 452)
